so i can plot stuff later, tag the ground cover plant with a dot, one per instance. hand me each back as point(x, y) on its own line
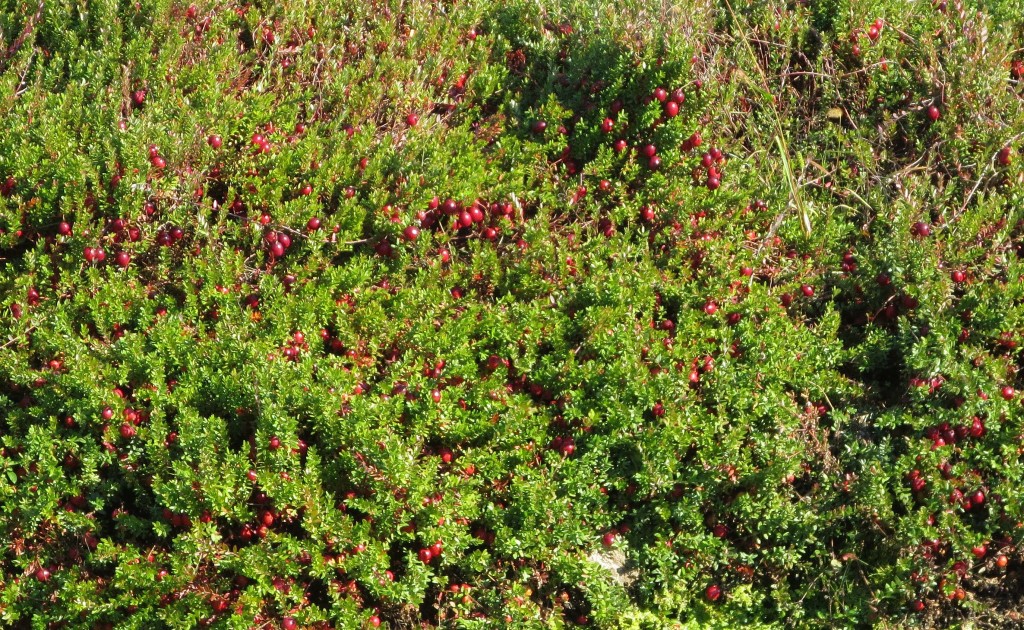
point(511, 314)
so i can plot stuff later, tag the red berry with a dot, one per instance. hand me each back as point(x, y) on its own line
point(289, 623)
point(412, 120)
point(313, 224)
point(425, 555)
point(933, 113)
point(411, 233)
point(671, 109)
point(1007, 392)
point(214, 141)
point(608, 539)
point(713, 592)
point(957, 276)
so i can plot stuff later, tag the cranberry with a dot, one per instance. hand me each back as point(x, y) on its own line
point(921, 229)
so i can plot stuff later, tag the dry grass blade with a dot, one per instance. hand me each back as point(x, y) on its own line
point(794, 188)
point(780, 141)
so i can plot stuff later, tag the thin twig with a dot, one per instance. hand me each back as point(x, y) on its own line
point(981, 178)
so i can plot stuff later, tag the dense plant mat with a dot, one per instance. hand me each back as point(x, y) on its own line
point(475, 314)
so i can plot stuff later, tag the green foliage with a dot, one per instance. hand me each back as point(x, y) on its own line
point(346, 313)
